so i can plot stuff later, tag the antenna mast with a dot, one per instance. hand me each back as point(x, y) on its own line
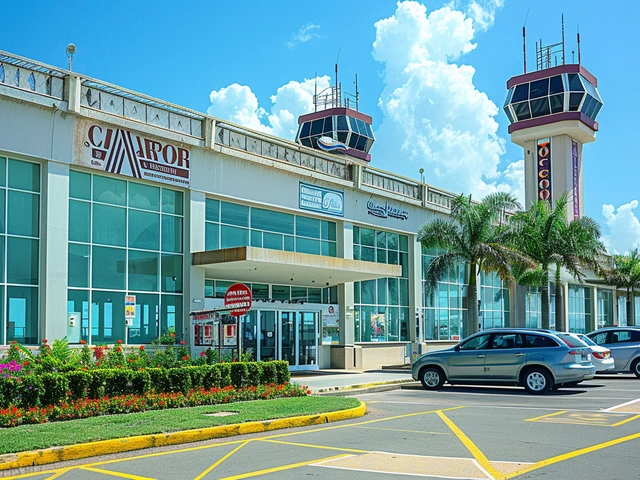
point(524, 41)
point(578, 45)
point(563, 62)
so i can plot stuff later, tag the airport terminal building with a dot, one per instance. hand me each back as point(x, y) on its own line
point(121, 214)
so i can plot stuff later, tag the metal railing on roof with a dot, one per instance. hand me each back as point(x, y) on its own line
point(25, 74)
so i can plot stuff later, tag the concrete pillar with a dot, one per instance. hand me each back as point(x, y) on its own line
point(73, 93)
point(54, 250)
point(345, 290)
point(590, 326)
point(416, 321)
point(194, 285)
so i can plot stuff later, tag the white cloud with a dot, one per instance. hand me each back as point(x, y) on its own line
point(306, 33)
point(434, 116)
point(239, 104)
point(623, 226)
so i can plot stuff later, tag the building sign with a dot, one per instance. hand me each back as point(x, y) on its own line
point(576, 179)
point(129, 309)
point(544, 169)
point(117, 150)
point(320, 199)
point(238, 297)
point(386, 211)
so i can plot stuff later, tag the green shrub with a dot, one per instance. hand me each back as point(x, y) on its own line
point(211, 376)
point(179, 380)
point(267, 373)
point(55, 388)
point(79, 382)
point(254, 374)
point(225, 374)
point(197, 376)
point(97, 383)
point(8, 391)
point(282, 372)
point(140, 382)
point(159, 380)
point(29, 391)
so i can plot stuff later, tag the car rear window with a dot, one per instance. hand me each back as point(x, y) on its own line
point(620, 336)
point(571, 340)
point(537, 341)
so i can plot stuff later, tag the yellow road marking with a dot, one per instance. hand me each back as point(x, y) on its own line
point(575, 453)
point(626, 421)
point(545, 416)
point(405, 431)
point(199, 477)
point(313, 446)
point(284, 467)
point(475, 451)
point(58, 473)
point(116, 474)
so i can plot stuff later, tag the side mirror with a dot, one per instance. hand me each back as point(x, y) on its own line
point(457, 348)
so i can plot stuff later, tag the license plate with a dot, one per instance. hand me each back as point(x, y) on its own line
point(586, 357)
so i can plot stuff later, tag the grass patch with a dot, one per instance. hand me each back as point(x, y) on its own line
point(34, 437)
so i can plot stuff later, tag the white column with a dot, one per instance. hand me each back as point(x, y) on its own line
point(54, 250)
point(194, 288)
point(345, 290)
point(415, 289)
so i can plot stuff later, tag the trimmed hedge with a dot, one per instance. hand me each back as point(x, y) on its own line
point(36, 390)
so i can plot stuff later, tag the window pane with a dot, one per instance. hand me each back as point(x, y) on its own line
point(2, 208)
point(368, 292)
point(271, 221)
point(144, 197)
point(367, 254)
point(108, 267)
point(381, 239)
point(2, 240)
point(171, 234)
point(78, 303)
point(22, 315)
point(172, 202)
point(304, 245)
point(259, 290)
point(256, 238)
point(281, 292)
point(212, 212)
point(171, 318)
point(392, 241)
point(404, 243)
point(382, 291)
point(24, 175)
point(211, 233)
point(78, 265)
point(328, 230)
point(79, 185)
point(79, 221)
point(307, 227)
point(145, 323)
point(172, 273)
point(521, 93)
point(109, 225)
point(143, 271)
point(109, 190)
point(23, 218)
point(3, 175)
point(272, 241)
point(234, 214)
point(107, 317)
point(234, 237)
point(22, 261)
point(222, 287)
point(144, 230)
point(288, 243)
point(328, 249)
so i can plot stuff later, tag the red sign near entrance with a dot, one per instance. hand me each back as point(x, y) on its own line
point(239, 298)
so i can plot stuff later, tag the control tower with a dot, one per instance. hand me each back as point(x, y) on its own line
point(336, 125)
point(552, 113)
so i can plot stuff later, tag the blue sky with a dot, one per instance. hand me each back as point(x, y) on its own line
point(431, 74)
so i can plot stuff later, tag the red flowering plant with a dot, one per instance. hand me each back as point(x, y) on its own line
point(84, 408)
point(116, 358)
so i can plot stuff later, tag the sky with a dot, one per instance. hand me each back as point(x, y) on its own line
point(432, 75)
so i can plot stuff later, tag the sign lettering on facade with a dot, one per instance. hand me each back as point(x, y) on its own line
point(544, 169)
point(238, 297)
point(386, 211)
point(576, 179)
point(121, 151)
point(320, 199)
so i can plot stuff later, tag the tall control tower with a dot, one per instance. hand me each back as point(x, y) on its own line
point(552, 113)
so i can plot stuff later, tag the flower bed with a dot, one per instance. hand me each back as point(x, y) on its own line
point(85, 407)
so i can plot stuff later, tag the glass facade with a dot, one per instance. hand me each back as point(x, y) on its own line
point(605, 308)
point(579, 308)
point(381, 306)
point(444, 312)
point(125, 238)
point(267, 292)
point(533, 307)
point(19, 251)
point(231, 225)
point(494, 301)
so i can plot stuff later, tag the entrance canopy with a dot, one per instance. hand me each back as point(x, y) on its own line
point(262, 265)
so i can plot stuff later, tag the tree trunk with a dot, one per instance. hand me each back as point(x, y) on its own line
point(471, 326)
point(561, 321)
point(546, 306)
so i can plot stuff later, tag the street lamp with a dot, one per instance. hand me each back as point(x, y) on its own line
point(421, 175)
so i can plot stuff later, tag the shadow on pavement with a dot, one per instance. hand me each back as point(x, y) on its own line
point(514, 391)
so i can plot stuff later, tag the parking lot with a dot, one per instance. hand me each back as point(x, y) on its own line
point(590, 431)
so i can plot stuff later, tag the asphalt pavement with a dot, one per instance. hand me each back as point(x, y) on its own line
point(351, 382)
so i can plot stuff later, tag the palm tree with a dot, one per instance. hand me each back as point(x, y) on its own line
point(469, 236)
point(544, 234)
point(626, 274)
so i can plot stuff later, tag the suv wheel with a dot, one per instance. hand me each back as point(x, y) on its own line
point(635, 367)
point(537, 381)
point(431, 378)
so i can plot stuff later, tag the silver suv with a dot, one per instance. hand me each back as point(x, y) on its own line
point(624, 343)
point(537, 360)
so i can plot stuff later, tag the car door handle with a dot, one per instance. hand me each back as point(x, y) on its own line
point(481, 356)
point(519, 354)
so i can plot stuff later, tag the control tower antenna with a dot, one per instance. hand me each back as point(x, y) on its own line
point(338, 100)
point(578, 44)
point(357, 93)
point(315, 92)
point(563, 62)
point(524, 41)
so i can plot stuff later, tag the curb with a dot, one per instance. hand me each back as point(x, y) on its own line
point(363, 386)
point(119, 445)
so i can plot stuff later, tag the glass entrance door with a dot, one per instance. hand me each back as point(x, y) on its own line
point(269, 336)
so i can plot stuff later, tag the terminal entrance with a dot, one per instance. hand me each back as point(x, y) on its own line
point(289, 335)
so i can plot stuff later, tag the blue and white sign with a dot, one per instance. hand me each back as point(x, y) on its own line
point(323, 200)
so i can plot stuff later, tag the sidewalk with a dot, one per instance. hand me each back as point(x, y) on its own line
point(349, 382)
